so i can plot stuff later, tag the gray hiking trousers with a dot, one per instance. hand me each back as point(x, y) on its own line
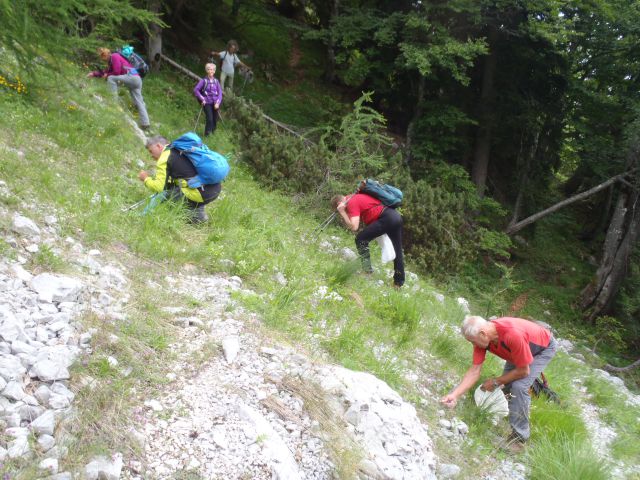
point(134, 84)
point(520, 403)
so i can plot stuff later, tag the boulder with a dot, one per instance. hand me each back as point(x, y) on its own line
point(11, 367)
point(230, 347)
point(49, 371)
point(56, 288)
point(103, 468)
point(24, 226)
point(45, 424)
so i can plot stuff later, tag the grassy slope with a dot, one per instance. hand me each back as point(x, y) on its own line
point(76, 147)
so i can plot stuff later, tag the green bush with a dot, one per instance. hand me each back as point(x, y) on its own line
point(446, 223)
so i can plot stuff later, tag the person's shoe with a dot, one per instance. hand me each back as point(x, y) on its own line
point(513, 444)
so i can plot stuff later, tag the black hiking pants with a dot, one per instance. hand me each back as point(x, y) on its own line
point(389, 222)
point(211, 119)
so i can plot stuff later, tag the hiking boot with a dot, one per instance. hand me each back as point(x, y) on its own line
point(513, 444)
point(199, 215)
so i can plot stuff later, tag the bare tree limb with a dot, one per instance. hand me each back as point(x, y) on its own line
point(611, 368)
point(516, 227)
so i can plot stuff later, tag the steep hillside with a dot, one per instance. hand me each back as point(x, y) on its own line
point(210, 351)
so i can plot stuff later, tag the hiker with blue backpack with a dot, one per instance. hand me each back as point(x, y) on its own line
point(180, 176)
point(121, 71)
point(377, 211)
point(209, 93)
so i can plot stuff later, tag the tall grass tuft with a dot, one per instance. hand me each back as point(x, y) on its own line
point(566, 458)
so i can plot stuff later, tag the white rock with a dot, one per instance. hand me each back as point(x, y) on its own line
point(154, 405)
point(11, 367)
point(18, 447)
point(347, 254)
point(282, 463)
point(13, 391)
point(464, 305)
point(21, 273)
point(12, 329)
point(439, 297)
point(104, 469)
point(448, 470)
point(112, 361)
point(43, 394)
point(56, 288)
point(3, 454)
point(24, 225)
point(48, 370)
point(280, 278)
point(46, 442)
point(32, 248)
point(60, 476)
point(45, 424)
point(50, 220)
point(22, 347)
point(58, 402)
point(50, 465)
point(230, 347)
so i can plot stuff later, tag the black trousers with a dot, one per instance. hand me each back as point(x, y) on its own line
point(211, 119)
point(389, 222)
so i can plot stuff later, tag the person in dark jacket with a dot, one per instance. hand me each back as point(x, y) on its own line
point(209, 93)
point(378, 220)
point(120, 71)
point(172, 172)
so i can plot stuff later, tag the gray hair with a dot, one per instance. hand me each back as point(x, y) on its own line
point(155, 140)
point(472, 325)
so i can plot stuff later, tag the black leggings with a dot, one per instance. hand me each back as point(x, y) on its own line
point(211, 116)
point(389, 222)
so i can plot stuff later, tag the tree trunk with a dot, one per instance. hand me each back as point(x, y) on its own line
point(511, 229)
point(483, 137)
point(154, 40)
point(330, 70)
point(235, 8)
point(524, 176)
point(622, 235)
point(417, 113)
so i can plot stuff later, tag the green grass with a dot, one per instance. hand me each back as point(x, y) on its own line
point(565, 457)
point(83, 161)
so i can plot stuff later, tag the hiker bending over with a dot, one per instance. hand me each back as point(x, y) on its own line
point(172, 170)
point(119, 70)
point(209, 93)
point(527, 348)
point(229, 60)
point(378, 220)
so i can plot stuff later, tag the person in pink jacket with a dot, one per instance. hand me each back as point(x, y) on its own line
point(209, 93)
point(119, 70)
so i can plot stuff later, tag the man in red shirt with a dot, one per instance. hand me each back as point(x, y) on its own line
point(378, 220)
point(527, 348)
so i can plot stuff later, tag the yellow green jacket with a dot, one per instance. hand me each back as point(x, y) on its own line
point(157, 183)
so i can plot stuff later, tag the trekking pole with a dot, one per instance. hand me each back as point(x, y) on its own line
point(198, 119)
point(324, 224)
point(135, 205)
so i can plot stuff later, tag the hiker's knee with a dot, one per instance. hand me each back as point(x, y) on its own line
point(520, 388)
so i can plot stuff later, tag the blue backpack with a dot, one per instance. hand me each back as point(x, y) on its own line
point(389, 195)
point(211, 166)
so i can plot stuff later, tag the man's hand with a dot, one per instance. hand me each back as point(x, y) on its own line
point(342, 206)
point(216, 106)
point(204, 102)
point(449, 401)
point(143, 175)
point(489, 385)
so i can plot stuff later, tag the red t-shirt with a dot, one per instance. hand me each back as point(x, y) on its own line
point(364, 206)
point(518, 341)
